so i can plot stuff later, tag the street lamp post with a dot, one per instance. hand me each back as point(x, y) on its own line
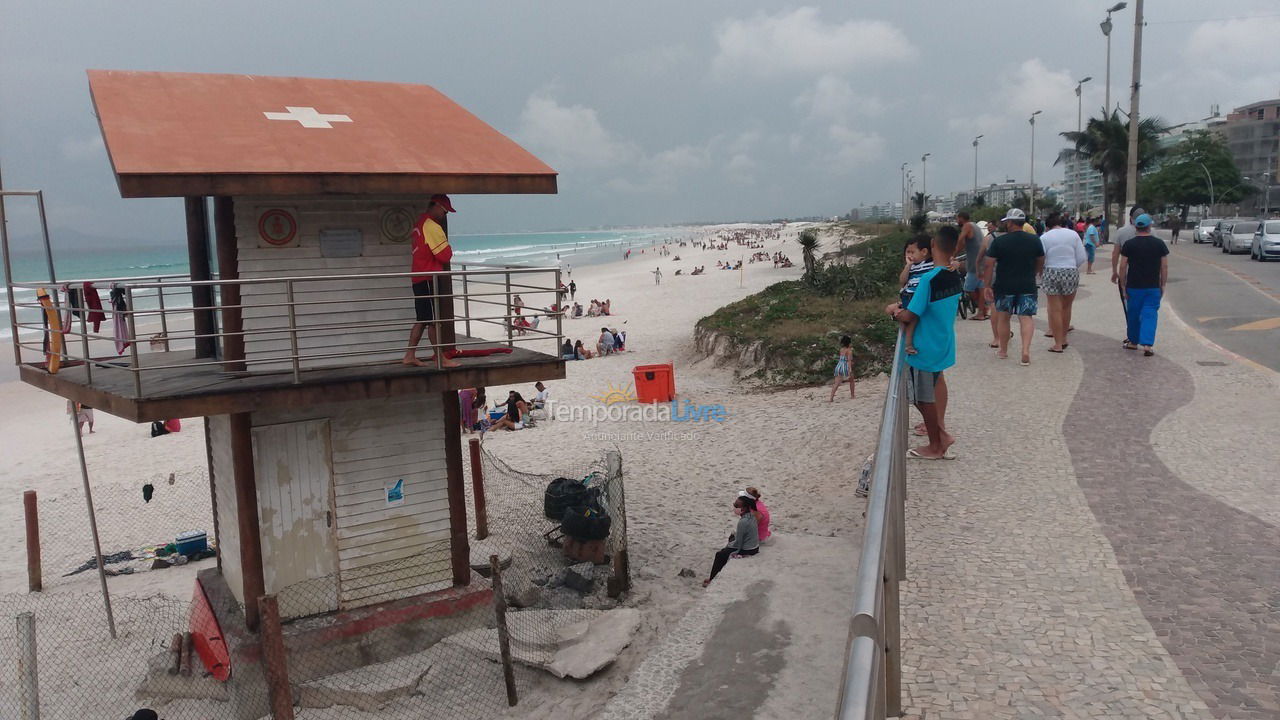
point(975, 168)
point(1032, 209)
point(1208, 177)
point(904, 191)
point(1079, 128)
point(1106, 30)
point(1131, 178)
point(924, 179)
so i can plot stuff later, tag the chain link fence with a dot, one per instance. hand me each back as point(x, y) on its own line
point(397, 640)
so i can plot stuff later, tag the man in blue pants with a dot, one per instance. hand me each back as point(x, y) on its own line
point(1144, 268)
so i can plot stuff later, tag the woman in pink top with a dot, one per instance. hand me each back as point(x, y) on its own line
point(762, 514)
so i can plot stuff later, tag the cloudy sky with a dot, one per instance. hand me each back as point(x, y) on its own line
point(653, 112)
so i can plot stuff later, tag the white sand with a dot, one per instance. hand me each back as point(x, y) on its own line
point(801, 451)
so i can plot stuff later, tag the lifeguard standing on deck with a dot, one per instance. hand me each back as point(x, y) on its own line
point(430, 253)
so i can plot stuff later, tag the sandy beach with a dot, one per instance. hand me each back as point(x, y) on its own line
point(801, 451)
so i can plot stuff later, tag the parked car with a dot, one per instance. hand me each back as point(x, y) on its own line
point(1221, 229)
point(1203, 230)
point(1238, 236)
point(1266, 241)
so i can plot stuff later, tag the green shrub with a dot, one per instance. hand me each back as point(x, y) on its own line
point(798, 323)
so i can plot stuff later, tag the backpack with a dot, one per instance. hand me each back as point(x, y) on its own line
point(158, 429)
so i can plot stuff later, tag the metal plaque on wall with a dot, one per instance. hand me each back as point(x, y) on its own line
point(341, 243)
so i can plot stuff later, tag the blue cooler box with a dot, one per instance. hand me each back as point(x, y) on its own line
point(191, 542)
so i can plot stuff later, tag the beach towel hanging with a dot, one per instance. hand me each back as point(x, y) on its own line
point(94, 305)
point(119, 325)
point(53, 335)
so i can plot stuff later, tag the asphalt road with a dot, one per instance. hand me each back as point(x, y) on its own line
point(1230, 299)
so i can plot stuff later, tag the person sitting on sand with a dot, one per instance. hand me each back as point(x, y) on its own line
point(566, 350)
point(581, 351)
point(762, 515)
point(517, 409)
point(745, 539)
point(540, 398)
point(577, 310)
point(594, 310)
point(606, 307)
point(520, 323)
point(604, 345)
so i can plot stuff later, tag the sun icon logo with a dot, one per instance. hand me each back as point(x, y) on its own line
point(616, 395)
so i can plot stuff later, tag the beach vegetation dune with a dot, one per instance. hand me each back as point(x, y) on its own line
point(789, 333)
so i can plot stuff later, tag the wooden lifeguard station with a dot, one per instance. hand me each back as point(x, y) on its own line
point(336, 471)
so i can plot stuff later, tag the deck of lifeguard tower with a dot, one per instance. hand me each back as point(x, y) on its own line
point(205, 389)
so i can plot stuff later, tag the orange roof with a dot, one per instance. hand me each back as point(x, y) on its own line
point(189, 134)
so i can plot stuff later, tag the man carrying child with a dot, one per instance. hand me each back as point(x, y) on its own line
point(919, 261)
point(928, 314)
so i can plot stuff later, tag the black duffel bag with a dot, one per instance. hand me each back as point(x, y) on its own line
point(562, 493)
point(585, 522)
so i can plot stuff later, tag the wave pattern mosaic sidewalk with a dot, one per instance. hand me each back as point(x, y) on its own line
point(1016, 603)
point(1206, 574)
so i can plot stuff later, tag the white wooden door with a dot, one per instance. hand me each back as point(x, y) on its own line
point(294, 468)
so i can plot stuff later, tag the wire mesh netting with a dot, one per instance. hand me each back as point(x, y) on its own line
point(398, 639)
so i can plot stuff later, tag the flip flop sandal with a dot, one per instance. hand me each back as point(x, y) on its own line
point(1128, 345)
point(1148, 353)
point(1055, 351)
point(914, 454)
point(1024, 362)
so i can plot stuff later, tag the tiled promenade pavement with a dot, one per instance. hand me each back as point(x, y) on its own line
point(1107, 543)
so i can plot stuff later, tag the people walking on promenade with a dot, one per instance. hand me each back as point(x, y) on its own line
point(1012, 263)
point(933, 310)
point(1092, 238)
point(1122, 236)
point(1064, 253)
point(1144, 268)
point(1175, 227)
point(971, 244)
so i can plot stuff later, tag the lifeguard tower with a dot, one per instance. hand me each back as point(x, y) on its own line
point(336, 471)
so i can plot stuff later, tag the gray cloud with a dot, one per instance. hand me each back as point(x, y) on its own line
point(654, 112)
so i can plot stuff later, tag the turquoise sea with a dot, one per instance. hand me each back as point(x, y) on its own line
point(568, 249)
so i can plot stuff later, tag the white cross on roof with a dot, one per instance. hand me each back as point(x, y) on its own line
point(308, 117)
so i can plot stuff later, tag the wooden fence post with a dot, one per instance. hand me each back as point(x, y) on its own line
point(28, 678)
point(477, 491)
point(504, 637)
point(274, 660)
point(34, 580)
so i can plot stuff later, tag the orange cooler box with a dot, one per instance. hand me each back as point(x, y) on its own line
point(655, 383)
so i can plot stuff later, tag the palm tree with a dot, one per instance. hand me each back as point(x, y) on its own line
point(919, 200)
point(809, 247)
point(1104, 144)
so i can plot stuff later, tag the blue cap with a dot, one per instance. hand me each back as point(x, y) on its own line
point(1142, 221)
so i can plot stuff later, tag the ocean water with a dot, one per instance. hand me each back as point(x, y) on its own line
point(568, 250)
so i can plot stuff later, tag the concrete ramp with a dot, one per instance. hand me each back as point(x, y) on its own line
point(766, 641)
